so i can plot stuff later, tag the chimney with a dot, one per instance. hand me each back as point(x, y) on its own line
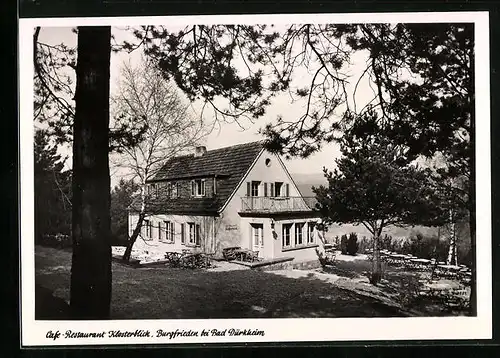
point(199, 151)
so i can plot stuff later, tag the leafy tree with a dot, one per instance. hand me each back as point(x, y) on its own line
point(122, 196)
point(352, 244)
point(372, 186)
point(55, 68)
point(343, 244)
point(52, 189)
point(169, 130)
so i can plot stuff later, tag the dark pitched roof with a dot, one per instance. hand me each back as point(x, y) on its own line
point(230, 165)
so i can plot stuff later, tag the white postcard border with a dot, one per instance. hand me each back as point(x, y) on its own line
point(275, 330)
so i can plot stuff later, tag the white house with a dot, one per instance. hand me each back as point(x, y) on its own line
point(241, 195)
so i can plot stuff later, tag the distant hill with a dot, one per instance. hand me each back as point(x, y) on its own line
point(305, 182)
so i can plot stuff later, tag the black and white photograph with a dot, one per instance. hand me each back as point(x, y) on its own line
point(260, 178)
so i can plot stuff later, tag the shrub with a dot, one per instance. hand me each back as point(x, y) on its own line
point(325, 258)
point(343, 244)
point(59, 240)
point(352, 244)
point(365, 244)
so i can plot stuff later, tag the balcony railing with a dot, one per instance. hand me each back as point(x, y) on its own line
point(277, 204)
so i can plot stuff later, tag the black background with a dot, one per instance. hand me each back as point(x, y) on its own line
point(9, 14)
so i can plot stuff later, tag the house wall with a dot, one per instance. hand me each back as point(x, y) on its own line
point(229, 227)
point(263, 173)
point(153, 243)
point(305, 252)
point(246, 235)
point(236, 231)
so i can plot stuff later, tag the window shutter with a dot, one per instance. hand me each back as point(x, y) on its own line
point(248, 188)
point(197, 236)
point(193, 188)
point(172, 227)
point(287, 190)
point(272, 189)
point(265, 189)
point(183, 233)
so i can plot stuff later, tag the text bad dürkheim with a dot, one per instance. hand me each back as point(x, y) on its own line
point(140, 333)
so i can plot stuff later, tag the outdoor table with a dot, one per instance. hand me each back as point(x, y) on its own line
point(229, 252)
point(421, 261)
point(241, 254)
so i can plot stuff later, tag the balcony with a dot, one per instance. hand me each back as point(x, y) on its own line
point(267, 204)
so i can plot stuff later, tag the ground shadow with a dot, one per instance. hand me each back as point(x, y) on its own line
point(174, 293)
point(49, 307)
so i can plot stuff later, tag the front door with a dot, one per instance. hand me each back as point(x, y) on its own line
point(258, 238)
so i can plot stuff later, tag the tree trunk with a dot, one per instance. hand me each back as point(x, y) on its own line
point(376, 274)
point(133, 237)
point(91, 263)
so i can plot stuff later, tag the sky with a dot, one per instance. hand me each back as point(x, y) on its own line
point(230, 133)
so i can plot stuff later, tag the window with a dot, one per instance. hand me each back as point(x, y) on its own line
point(169, 190)
point(160, 231)
point(198, 187)
point(310, 233)
point(147, 226)
point(257, 235)
point(287, 228)
point(169, 230)
point(277, 188)
point(255, 188)
point(280, 189)
point(175, 190)
point(183, 233)
point(299, 232)
point(194, 234)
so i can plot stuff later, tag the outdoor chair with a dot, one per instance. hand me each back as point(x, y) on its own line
point(253, 256)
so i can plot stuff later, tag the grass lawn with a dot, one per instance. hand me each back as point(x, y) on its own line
point(168, 293)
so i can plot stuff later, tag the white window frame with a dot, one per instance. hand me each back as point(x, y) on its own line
point(301, 232)
point(169, 231)
point(254, 184)
point(147, 225)
point(175, 190)
point(289, 226)
point(183, 234)
point(310, 233)
point(193, 235)
point(257, 234)
point(198, 187)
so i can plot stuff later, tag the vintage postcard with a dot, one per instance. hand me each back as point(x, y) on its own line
point(252, 179)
